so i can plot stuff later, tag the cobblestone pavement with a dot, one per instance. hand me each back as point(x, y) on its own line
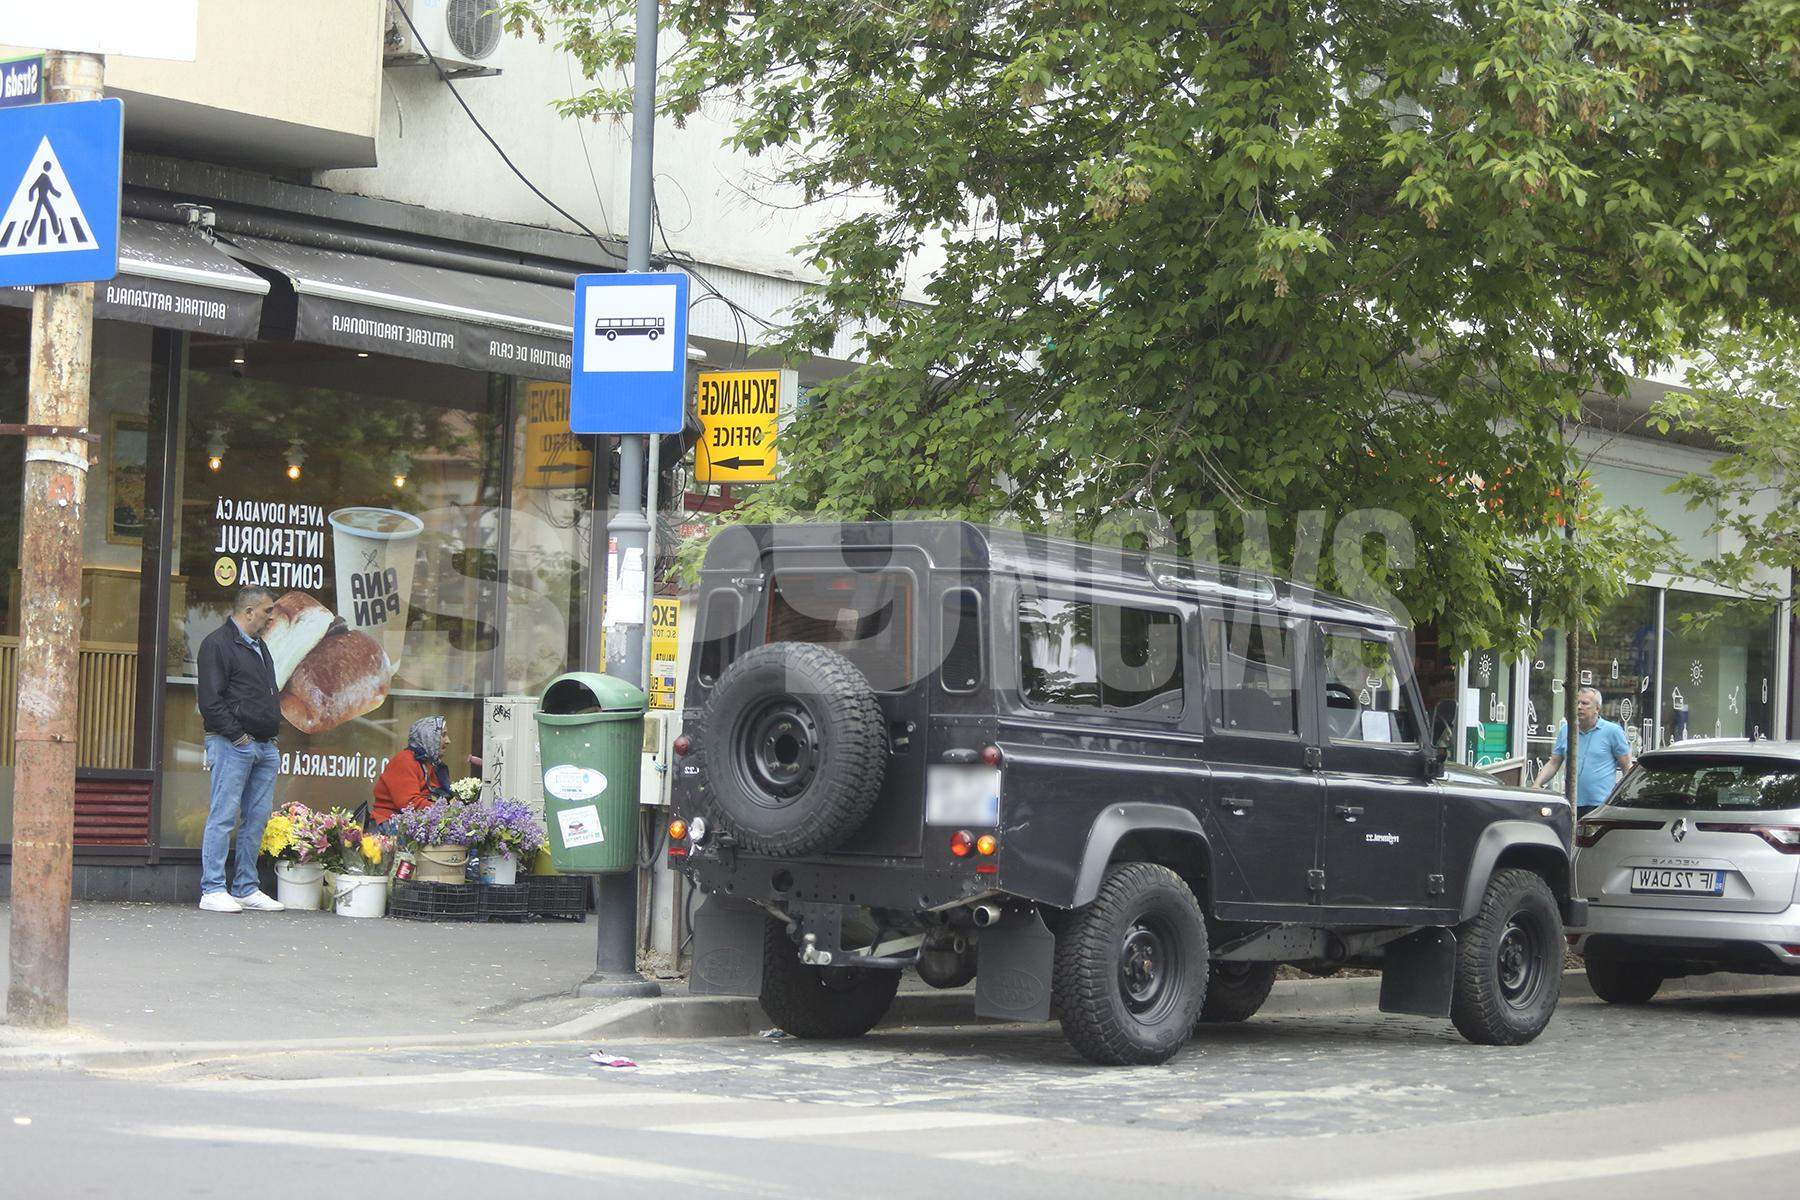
point(1680, 1096)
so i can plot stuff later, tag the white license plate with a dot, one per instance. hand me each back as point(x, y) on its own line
point(1680, 880)
point(958, 795)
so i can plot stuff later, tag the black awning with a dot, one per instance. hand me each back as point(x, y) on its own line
point(482, 322)
point(172, 277)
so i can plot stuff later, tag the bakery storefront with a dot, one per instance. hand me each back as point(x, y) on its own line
point(382, 444)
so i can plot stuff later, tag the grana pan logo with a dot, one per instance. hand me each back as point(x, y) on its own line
point(1385, 839)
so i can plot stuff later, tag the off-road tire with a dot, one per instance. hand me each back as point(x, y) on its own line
point(820, 1003)
point(1235, 991)
point(1619, 982)
point(1100, 1016)
point(1508, 962)
point(793, 694)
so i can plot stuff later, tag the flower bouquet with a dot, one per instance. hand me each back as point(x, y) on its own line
point(439, 836)
point(506, 833)
point(291, 839)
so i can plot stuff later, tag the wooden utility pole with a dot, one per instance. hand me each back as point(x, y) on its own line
point(56, 465)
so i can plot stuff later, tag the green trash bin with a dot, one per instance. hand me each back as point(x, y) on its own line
point(590, 738)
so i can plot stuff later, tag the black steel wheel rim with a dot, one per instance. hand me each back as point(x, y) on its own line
point(1149, 968)
point(778, 751)
point(1519, 961)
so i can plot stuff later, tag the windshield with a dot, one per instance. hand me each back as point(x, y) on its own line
point(1712, 783)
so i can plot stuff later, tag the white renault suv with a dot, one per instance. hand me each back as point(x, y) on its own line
point(1691, 867)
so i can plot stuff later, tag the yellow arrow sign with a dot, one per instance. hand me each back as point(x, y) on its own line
point(741, 412)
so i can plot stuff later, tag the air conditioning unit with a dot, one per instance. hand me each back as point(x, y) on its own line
point(509, 751)
point(462, 35)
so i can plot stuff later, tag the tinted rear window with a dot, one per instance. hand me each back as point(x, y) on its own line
point(864, 615)
point(1712, 783)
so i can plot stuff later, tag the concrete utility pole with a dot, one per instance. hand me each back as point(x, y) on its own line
point(62, 355)
point(615, 958)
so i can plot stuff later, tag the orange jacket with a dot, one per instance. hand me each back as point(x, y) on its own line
point(405, 783)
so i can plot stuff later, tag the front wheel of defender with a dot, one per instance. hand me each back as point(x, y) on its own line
point(1131, 968)
point(1509, 958)
point(822, 1003)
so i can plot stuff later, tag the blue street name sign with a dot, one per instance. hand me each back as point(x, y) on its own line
point(59, 180)
point(21, 81)
point(630, 369)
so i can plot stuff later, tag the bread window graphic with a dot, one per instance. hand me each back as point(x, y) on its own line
point(328, 672)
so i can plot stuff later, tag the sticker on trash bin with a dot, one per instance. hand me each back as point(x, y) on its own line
point(574, 783)
point(580, 826)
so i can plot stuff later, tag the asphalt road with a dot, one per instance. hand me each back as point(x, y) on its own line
point(1681, 1098)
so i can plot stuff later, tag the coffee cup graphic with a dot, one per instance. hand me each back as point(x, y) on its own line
point(375, 549)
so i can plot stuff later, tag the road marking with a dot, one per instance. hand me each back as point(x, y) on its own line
point(1420, 1185)
point(543, 1160)
point(484, 1104)
point(874, 1121)
point(359, 1081)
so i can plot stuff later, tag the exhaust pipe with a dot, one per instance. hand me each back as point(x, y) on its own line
point(985, 915)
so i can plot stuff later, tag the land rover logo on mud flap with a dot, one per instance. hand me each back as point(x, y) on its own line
point(722, 965)
point(1014, 990)
point(1679, 829)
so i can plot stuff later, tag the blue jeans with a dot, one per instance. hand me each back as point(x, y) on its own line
point(243, 794)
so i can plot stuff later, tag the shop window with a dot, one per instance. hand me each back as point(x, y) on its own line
point(1250, 675)
point(548, 532)
point(365, 493)
point(1103, 657)
point(1719, 667)
point(1365, 695)
point(1618, 656)
point(119, 535)
point(1488, 731)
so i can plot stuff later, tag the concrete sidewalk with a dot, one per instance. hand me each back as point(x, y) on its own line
point(173, 973)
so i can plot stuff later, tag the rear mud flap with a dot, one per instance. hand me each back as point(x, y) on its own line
point(1418, 974)
point(1014, 961)
point(728, 949)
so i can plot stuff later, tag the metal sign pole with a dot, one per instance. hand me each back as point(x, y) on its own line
point(615, 956)
point(56, 463)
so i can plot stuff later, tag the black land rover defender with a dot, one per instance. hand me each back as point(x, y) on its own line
point(1115, 786)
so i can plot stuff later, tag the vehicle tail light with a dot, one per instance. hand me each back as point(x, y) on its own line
point(961, 842)
point(1590, 831)
point(987, 869)
point(986, 844)
point(1790, 948)
point(683, 744)
point(991, 756)
point(677, 829)
point(1785, 838)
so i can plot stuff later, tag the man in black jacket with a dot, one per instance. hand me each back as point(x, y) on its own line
point(242, 714)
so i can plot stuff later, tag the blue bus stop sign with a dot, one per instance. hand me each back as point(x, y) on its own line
point(59, 178)
point(630, 368)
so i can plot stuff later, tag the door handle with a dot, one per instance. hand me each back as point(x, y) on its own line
point(1237, 806)
point(1349, 812)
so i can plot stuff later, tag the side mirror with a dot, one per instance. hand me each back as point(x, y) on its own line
point(1443, 724)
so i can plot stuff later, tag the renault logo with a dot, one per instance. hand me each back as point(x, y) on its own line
point(1679, 829)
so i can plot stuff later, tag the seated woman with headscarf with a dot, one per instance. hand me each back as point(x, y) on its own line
point(415, 777)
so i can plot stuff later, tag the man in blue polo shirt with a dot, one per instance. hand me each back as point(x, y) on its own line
point(1605, 754)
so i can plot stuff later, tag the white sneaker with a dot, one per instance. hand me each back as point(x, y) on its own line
point(220, 902)
point(260, 902)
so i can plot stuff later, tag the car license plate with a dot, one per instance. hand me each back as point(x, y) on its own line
point(1679, 880)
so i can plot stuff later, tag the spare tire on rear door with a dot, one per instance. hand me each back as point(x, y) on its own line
point(794, 749)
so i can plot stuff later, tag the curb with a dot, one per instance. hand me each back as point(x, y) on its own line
point(700, 1017)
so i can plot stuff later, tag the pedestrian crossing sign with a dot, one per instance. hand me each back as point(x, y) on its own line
point(59, 177)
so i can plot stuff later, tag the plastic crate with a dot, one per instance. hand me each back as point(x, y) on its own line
point(563, 897)
point(416, 901)
point(504, 901)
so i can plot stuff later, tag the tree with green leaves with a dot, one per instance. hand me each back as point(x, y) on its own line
point(1252, 256)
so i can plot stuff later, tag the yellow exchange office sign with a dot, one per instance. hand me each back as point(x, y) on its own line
point(741, 413)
